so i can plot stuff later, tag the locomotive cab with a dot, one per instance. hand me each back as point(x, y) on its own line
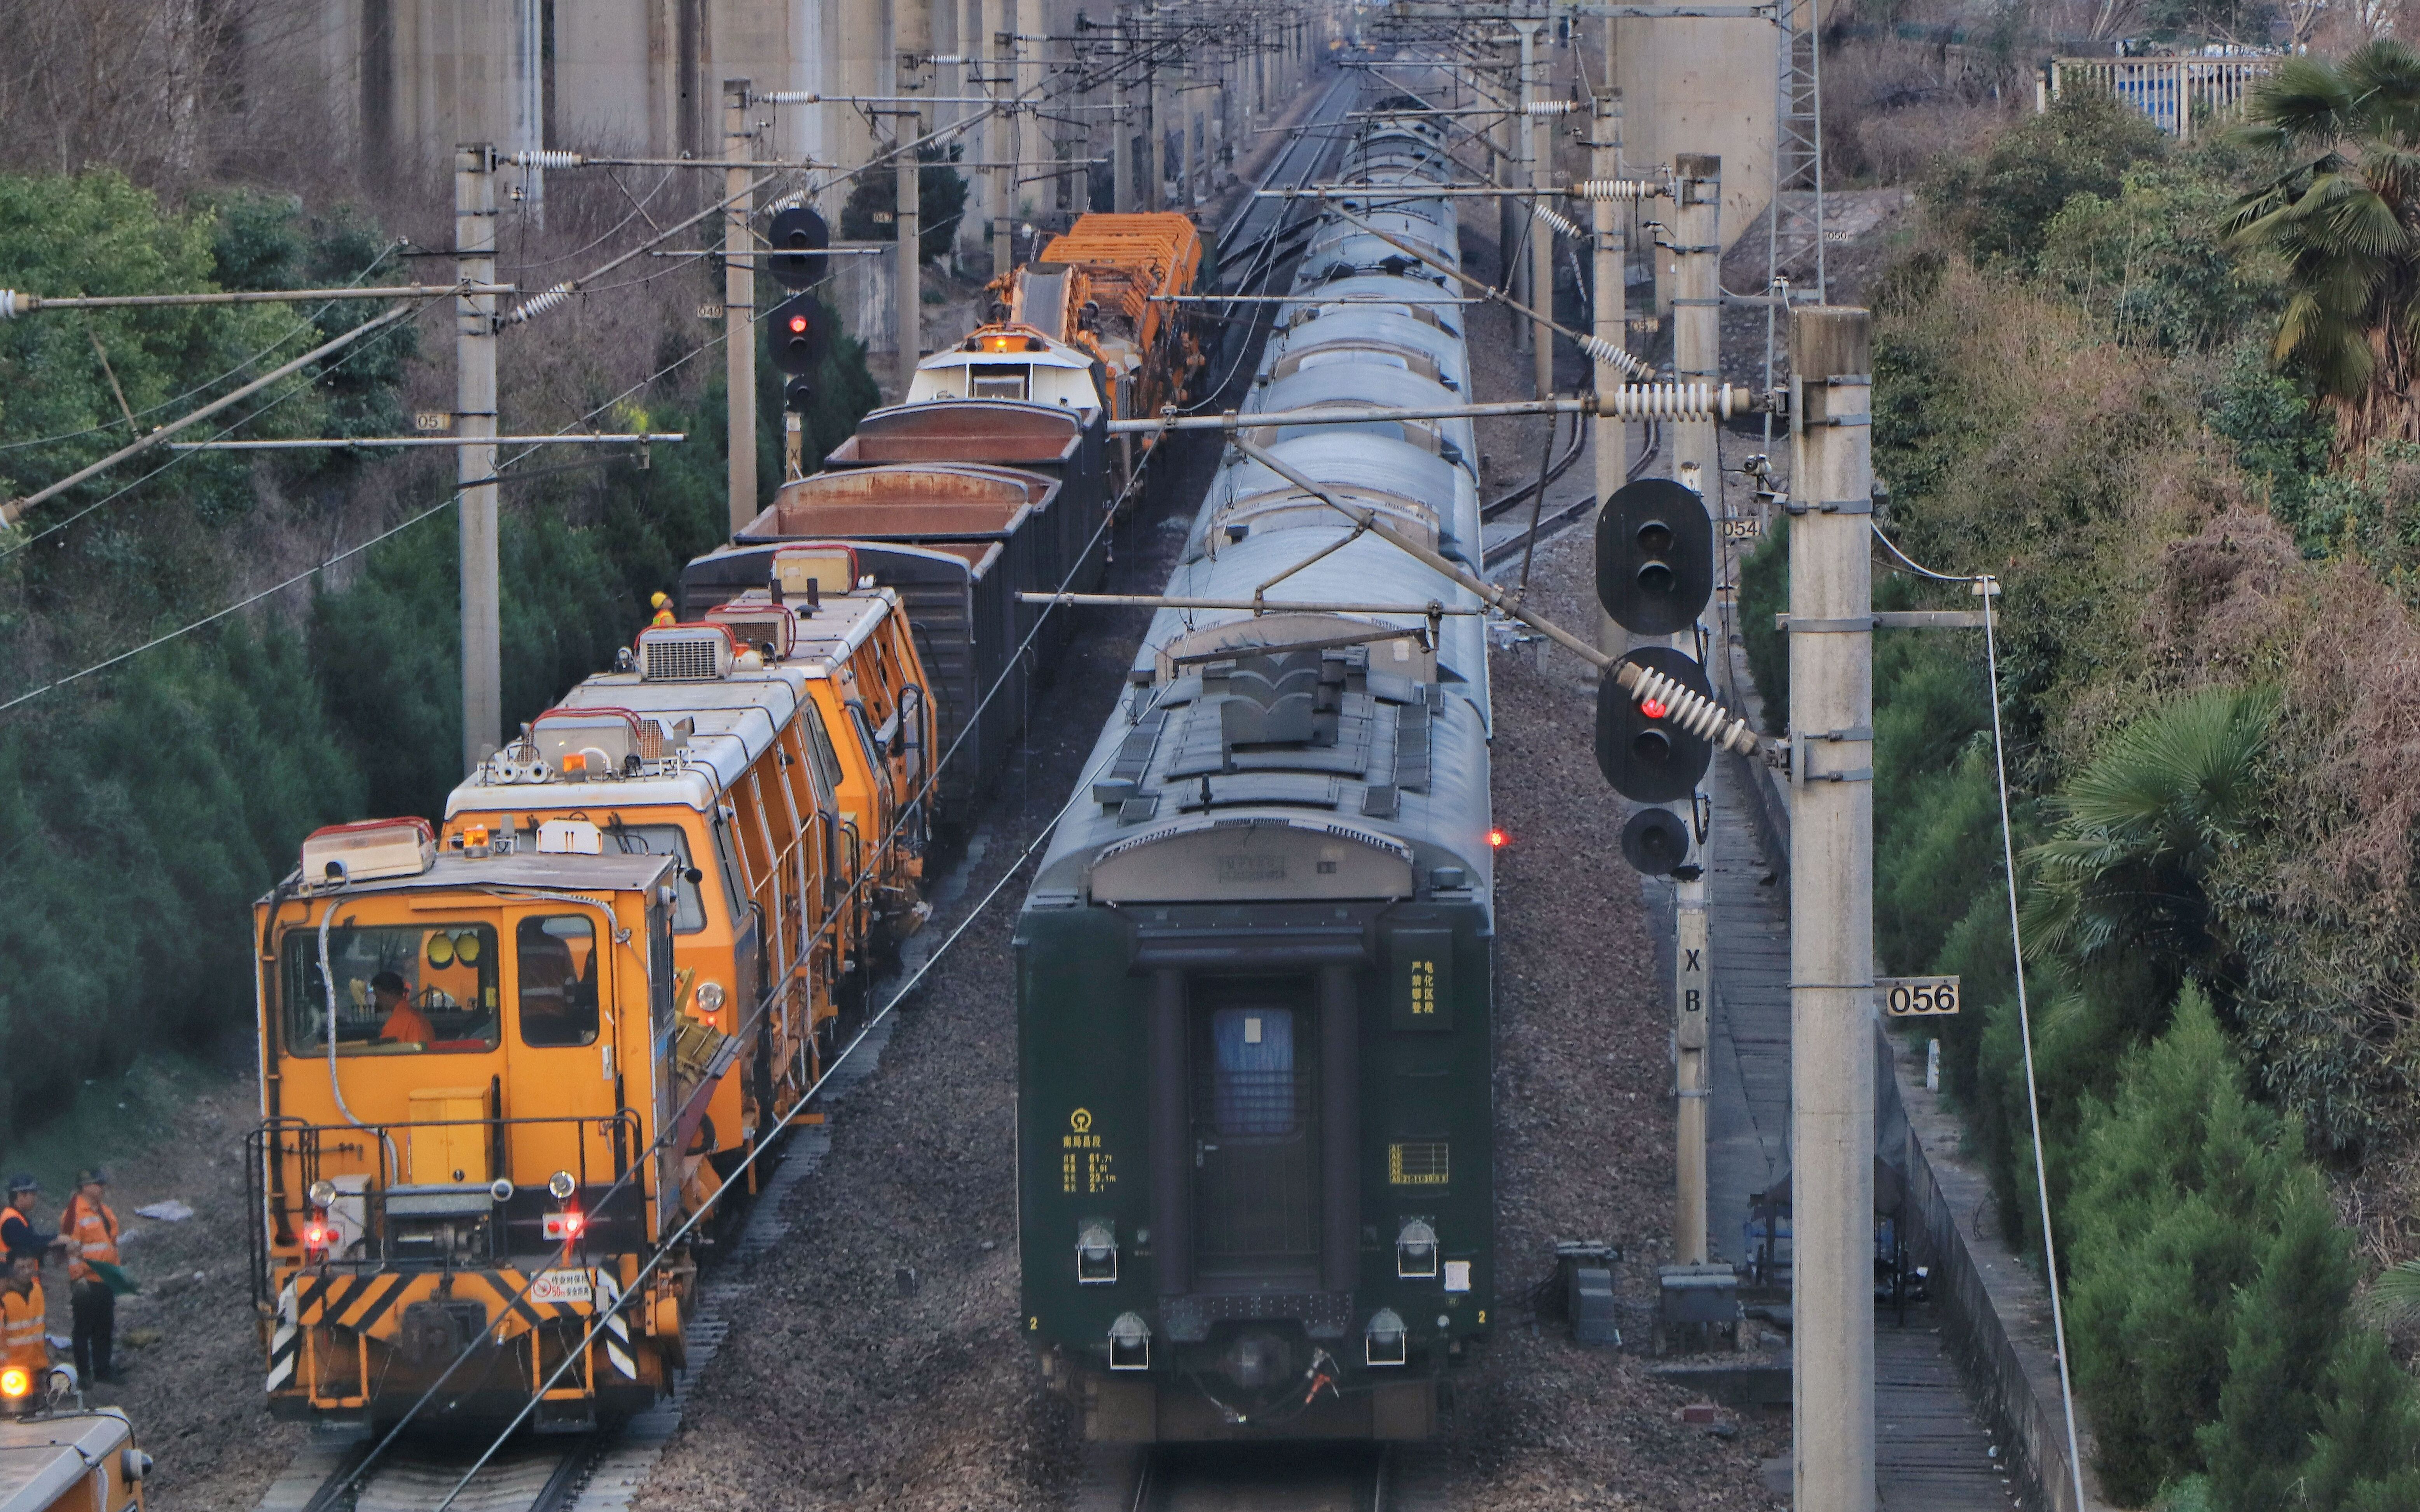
point(477, 1108)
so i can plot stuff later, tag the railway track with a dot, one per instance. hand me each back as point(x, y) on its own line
point(1322, 1478)
point(1554, 521)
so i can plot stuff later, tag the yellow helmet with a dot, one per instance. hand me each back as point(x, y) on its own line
point(659, 600)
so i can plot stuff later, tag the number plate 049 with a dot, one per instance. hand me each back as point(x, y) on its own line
point(562, 1286)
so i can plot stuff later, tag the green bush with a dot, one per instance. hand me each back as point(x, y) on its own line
point(2000, 205)
point(940, 202)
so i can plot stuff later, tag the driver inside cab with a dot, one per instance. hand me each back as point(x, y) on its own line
point(403, 1023)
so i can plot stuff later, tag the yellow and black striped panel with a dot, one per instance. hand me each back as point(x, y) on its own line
point(373, 1303)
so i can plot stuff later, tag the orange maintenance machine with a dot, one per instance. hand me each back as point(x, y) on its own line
point(625, 961)
point(1105, 287)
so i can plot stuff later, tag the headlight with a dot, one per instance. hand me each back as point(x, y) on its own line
point(324, 1194)
point(16, 1381)
point(500, 1189)
point(561, 1186)
point(709, 997)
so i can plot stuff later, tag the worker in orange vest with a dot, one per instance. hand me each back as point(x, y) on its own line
point(23, 1344)
point(90, 1230)
point(17, 1234)
point(662, 604)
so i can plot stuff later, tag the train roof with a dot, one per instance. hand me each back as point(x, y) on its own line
point(44, 1459)
point(1372, 385)
point(1379, 327)
point(736, 717)
point(1403, 771)
point(1353, 463)
point(523, 870)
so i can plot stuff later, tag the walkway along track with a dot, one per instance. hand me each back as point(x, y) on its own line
point(1269, 1477)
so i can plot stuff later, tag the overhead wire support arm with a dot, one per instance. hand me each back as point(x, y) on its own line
point(353, 443)
point(14, 510)
point(15, 302)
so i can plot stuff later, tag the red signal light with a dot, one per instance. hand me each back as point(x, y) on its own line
point(565, 1225)
point(1653, 708)
point(1496, 840)
point(797, 325)
point(317, 1236)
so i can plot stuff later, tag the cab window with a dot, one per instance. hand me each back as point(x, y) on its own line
point(555, 960)
point(689, 911)
point(826, 760)
point(400, 989)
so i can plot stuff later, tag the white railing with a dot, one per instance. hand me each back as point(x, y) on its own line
point(2180, 94)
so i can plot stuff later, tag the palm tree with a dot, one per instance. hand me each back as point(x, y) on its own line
point(2343, 211)
point(2139, 828)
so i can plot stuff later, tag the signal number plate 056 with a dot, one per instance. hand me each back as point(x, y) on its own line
point(562, 1286)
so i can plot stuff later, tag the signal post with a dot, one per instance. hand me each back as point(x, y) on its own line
point(1697, 348)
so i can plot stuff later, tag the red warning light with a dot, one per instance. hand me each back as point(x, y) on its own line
point(1653, 708)
point(1496, 840)
point(797, 325)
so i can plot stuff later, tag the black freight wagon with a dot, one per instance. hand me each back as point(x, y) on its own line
point(1068, 445)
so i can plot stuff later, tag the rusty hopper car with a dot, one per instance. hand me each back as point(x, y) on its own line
point(1255, 981)
point(957, 542)
point(1060, 443)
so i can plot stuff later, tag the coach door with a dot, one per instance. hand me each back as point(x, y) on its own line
point(1256, 1148)
point(560, 1060)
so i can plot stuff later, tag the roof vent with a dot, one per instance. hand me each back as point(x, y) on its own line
point(685, 653)
point(370, 849)
point(824, 567)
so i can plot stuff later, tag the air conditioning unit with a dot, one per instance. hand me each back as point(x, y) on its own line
point(367, 850)
point(685, 653)
point(757, 623)
point(824, 567)
point(583, 745)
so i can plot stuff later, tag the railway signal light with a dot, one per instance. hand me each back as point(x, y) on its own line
point(1654, 556)
point(1655, 842)
point(798, 335)
point(796, 246)
point(1651, 757)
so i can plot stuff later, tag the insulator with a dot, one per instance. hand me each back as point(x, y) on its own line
point(1617, 190)
point(1552, 107)
point(1610, 355)
point(546, 158)
point(1672, 401)
point(538, 304)
point(1691, 711)
point(8, 304)
point(786, 97)
point(1560, 223)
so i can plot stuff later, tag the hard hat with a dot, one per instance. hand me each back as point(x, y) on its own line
point(22, 1184)
point(92, 1176)
point(659, 600)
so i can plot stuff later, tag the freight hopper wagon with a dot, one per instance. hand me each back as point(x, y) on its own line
point(956, 543)
point(1255, 970)
point(560, 1030)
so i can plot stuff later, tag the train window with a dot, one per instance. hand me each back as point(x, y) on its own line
point(731, 886)
point(999, 381)
point(826, 760)
point(555, 959)
point(1253, 1084)
point(400, 988)
point(689, 913)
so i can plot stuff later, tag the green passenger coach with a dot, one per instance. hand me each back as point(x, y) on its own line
point(1255, 973)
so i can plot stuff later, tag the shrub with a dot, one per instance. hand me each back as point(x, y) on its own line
point(1999, 206)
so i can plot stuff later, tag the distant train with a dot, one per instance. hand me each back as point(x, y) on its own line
point(1255, 972)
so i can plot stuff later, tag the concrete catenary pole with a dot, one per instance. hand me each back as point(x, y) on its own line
point(1696, 257)
point(1611, 443)
point(1155, 118)
point(740, 305)
point(997, 147)
point(911, 30)
point(1832, 914)
point(1122, 127)
point(475, 409)
point(1538, 148)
